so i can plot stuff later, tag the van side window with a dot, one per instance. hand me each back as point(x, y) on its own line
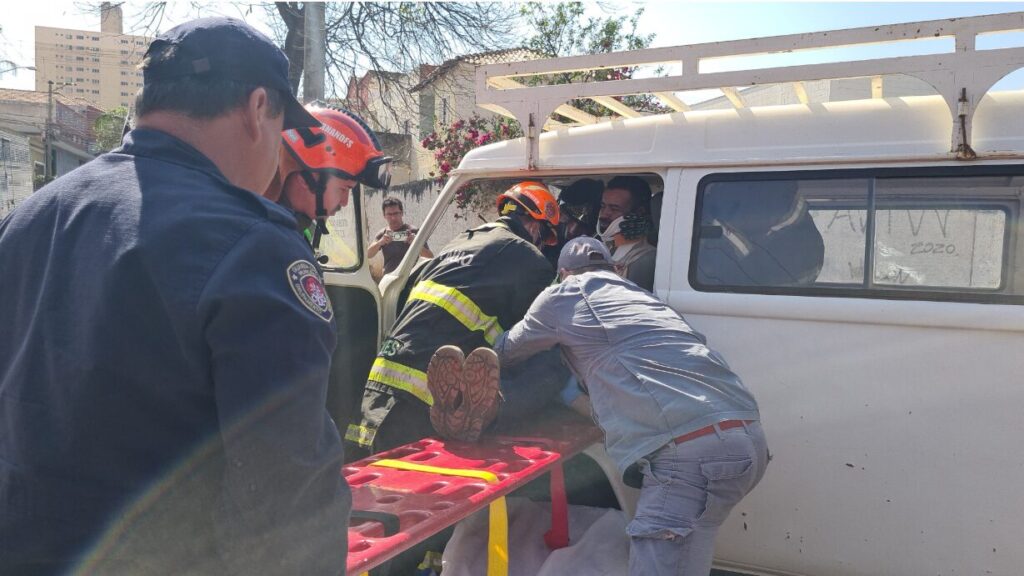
point(342, 245)
point(886, 235)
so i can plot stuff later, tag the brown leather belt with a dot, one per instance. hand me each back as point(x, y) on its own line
point(724, 425)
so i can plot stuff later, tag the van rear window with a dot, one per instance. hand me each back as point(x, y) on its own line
point(890, 234)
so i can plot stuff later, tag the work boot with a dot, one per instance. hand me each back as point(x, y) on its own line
point(466, 393)
point(444, 380)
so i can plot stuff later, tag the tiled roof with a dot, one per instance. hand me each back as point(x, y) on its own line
point(481, 59)
point(32, 96)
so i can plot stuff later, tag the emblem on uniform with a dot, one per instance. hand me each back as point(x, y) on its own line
point(390, 347)
point(304, 279)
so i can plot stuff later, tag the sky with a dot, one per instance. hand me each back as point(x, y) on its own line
point(673, 23)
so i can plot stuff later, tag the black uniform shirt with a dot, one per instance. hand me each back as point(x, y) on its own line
point(164, 360)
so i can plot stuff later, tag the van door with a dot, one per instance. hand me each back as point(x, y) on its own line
point(878, 317)
point(356, 302)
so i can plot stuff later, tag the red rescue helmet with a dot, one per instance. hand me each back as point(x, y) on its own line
point(533, 199)
point(343, 146)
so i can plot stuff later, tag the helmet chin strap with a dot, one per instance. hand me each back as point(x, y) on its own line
point(317, 186)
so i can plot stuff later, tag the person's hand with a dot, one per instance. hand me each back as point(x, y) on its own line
point(410, 238)
point(581, 404)
point(384, 240)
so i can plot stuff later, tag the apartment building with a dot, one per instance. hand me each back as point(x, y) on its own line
point(101, 67)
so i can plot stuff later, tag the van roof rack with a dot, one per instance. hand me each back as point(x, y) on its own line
point(961, 77)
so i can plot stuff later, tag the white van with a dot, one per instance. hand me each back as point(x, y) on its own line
point(859, 263)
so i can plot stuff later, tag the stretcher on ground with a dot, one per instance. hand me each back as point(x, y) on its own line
point(403, 496)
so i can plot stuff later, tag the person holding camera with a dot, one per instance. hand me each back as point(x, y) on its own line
point(395, 238)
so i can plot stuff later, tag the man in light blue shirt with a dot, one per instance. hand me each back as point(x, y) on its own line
point(665, 401)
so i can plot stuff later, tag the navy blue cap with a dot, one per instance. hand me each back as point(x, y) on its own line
point(226, 48)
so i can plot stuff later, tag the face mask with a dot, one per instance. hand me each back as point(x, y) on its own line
point(608, 234)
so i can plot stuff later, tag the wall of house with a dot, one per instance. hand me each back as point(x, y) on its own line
point(15, 170)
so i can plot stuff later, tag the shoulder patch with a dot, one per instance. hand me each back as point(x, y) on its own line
point(304, 278)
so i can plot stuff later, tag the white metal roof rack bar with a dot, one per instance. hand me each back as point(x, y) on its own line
point(961, 77)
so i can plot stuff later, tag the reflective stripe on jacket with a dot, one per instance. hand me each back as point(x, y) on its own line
point(483, 280)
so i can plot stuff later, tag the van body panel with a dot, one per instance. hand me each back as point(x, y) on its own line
point(877, 130)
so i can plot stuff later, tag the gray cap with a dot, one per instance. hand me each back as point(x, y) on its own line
point(582, 252)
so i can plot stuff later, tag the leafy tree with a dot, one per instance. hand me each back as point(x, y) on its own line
point(564, 29)
point(394, 36)
point(362, 36)
point(561, 29)
point(108, 128)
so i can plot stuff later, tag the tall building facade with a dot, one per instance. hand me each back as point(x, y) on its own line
point(101, 67)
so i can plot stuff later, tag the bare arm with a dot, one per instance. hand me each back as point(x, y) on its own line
point(382, 241)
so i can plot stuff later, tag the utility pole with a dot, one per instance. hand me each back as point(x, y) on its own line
point(48, 167)
point(315, 48)
point(47, 170)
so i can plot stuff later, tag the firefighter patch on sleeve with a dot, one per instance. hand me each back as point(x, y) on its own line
point(304, 279)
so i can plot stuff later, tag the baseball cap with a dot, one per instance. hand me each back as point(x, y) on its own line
point(582, 252)
point(228, 48)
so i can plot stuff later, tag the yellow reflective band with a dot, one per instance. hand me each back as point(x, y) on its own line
point(459, 306)
point(497, 539)
point(402, 377)
point(484, 475)
point(497, 536)
point(361, 435)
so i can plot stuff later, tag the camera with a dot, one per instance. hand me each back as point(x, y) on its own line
point(399, 235)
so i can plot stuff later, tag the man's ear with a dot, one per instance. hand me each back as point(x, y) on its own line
point(255, 112)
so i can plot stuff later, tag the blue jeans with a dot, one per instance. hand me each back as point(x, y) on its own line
point(688, 491)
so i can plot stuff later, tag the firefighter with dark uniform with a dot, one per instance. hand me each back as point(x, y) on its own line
point(321, 166)
point(481, 283)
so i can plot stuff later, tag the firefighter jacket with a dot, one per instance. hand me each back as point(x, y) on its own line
point(477, 287)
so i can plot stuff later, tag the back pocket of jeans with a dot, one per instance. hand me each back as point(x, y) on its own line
point(725, 469)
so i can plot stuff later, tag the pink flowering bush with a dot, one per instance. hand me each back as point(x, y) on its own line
point(451, 143)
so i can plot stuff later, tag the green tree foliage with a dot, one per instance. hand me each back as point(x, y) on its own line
point(561, 29)
point(108, 127)
point(564, 29)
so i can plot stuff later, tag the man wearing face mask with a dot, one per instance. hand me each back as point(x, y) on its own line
point(623, 225)
point(460, 302)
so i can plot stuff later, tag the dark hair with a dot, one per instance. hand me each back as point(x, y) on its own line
point(198, 96)
point(391, 201)
point(581, 200)
point(639, 191)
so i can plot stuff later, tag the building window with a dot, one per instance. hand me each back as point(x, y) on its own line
point(426, 114)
